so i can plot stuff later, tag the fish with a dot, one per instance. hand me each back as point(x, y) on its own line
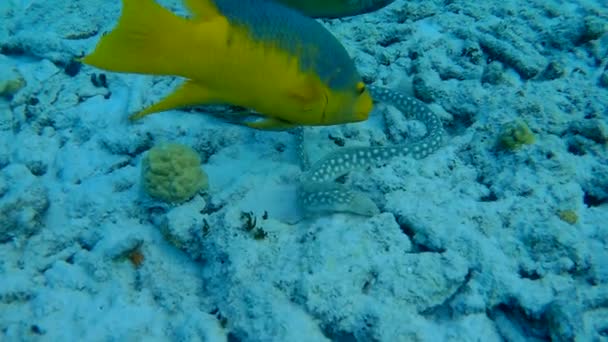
point(255, 54)
point(335, 8)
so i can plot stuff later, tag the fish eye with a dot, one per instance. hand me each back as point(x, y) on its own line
point(360, 87)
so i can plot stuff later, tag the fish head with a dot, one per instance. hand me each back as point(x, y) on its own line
point(351, 104)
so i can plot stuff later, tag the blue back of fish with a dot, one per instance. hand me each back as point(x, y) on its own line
point(335, 8)
point(315, 47)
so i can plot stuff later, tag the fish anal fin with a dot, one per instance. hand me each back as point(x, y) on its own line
point(188, 94)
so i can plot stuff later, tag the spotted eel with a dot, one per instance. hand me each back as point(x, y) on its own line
point(319, 193)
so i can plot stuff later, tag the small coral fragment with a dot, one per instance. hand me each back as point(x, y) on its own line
point(11, 81)
point(568, 216)
point(136, 257)
point(23, 204)
point(172, 173)
point(514, 135)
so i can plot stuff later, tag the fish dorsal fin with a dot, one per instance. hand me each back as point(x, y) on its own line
point(202, 9)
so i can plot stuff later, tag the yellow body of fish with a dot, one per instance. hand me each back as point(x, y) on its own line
point(224, 63)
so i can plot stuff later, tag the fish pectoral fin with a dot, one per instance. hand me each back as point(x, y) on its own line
point(270, 124)
point(202, 9)
point(307, 92)
point(188, 94)
point(309, 101)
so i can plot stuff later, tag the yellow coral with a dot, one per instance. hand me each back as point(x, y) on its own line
point(514, 135)
point(171, 172)
point(568, 216)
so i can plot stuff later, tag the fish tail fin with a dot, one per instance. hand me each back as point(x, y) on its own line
point(148, 39)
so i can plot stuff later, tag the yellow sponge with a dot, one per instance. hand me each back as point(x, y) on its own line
point(172, 173)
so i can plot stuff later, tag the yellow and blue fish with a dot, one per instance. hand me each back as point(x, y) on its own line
point(256, 54)
point(335, 8)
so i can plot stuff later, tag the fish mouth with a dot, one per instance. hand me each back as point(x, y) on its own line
point(364, 107)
